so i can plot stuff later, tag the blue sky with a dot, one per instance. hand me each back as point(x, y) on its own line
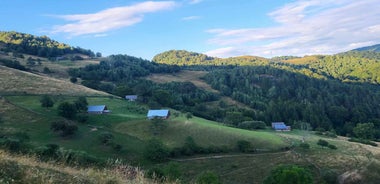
point(221, 28)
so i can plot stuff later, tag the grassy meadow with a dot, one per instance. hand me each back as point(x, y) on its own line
point(131, 129)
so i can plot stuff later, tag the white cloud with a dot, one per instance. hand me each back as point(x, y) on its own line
point(109, 19)
point(191, 18)
point(305, 27)
point(195, 1)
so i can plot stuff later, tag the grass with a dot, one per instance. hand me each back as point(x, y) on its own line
point(27, 169)
point(204, 133)
point(19, 82)
point(131, 129)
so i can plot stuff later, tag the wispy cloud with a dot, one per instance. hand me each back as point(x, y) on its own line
point(195, 1)
point(109, 19)
point(305, 28)
point(190, 18)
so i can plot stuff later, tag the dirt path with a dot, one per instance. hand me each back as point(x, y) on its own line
point(227, 156)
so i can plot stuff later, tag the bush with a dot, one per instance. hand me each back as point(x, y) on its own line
point(67, 110)
point(208, 177)
point(289, 174)
point(331, 146)
point(64, 127)
point(46, 101)
point(156, 151)
point(105, 137)
point(322, 143)
point(13, 145)
point(305, 146)
point(244, 146)
point(363, 141)
point(252, 125)
point(82, 118)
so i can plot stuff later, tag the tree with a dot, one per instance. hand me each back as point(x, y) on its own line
point(46, 101)
point(189, 115)
point(98, 54)
point(364, 130)
point(73, 79)
point(67, 110)
point(289, 174)
point(81, 103)
point(64, 127)
point(156, 151)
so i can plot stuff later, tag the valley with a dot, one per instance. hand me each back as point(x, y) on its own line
point(221, 112)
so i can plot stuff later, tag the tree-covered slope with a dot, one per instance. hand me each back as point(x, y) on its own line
point(375, 48)
point(37, 45)
point(186, 58)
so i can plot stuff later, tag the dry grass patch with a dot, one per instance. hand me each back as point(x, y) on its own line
point(20, 82)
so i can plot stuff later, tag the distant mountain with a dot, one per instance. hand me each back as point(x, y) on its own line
point(375, 48)
point(41, 46)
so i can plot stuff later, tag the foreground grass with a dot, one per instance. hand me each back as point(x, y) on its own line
point(27, 169)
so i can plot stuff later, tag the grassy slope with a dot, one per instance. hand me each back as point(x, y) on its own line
point(204, 133)
point(16, 81)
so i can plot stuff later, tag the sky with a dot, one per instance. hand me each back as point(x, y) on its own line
point(219, 28)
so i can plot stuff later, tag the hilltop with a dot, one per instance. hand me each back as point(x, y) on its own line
point(375, 48)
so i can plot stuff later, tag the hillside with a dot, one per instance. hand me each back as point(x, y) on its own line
point(186, 58)
point(19, 82)
point(375, 48)
point(37, 45)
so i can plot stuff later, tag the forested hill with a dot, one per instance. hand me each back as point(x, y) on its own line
point(186, 58)
point(41, 46)
point(375, 48)
point(352, 66)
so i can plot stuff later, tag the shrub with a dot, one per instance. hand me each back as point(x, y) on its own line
point(46, 101)
point(105, 137)
point(156, 151)
point(64, 127)
point(73, 79)
point(289, 174)
point(252, 125)
point(322, 143)
point(82, 118)
point(67, 110)
point(208, 177)
point(363, 141)
point(244, 146)
point(331, 146)
point(305, 146)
